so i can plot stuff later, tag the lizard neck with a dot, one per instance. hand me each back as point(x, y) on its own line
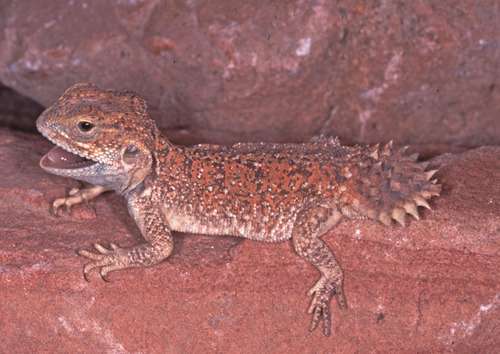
point(147, 167)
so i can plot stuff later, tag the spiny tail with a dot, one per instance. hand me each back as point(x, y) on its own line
point(394, 184)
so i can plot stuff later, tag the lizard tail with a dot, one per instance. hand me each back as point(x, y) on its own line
point(393, 185)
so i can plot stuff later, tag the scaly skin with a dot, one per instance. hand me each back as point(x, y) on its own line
point(265, 192)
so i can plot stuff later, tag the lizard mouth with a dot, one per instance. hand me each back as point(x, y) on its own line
point(58, 158)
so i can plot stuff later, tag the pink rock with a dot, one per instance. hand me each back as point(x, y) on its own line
point(433, 286)
point(416, 72)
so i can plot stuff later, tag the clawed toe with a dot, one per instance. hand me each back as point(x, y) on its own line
point(320, 310)
point(74, 196)
point(102, 249)
point(107, 260)
point(58, 205)
point(89, 267)
point(322, 293)
point(321, 313)
point(340, 297)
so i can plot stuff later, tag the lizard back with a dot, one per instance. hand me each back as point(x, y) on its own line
point(255, 190)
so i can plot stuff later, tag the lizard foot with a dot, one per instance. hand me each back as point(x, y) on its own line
point(322, 293)
point(76, 196)
point(64, 202)
point(107, 260)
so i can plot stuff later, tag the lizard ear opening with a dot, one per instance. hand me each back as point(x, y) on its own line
point(137, 161)
point(136, 157)
point(131, 154)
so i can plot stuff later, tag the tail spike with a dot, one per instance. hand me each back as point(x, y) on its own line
point(411, 208)
point(374, 153)
point(387, 149)
point(430, 173)
point(421, 202)
point(398, 214)
point(384, 218)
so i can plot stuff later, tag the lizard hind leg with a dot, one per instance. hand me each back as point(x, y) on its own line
point(309, 226)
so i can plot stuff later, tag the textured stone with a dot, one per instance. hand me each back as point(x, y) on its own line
point(16, 111)
point(419, 72)
point(431, 287)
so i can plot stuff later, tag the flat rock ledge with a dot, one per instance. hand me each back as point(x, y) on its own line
point(433, 286)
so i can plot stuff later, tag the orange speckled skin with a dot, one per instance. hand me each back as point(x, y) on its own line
point(261, 191)
point(249, 190)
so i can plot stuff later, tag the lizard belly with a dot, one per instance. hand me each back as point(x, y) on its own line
point(260, 229)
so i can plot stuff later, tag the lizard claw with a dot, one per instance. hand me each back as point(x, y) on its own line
point(320, 309)
point(64, 202)
point(322, 293)
point(54, 211)
point(57, 206)
point(74, 196)
point(106, 259)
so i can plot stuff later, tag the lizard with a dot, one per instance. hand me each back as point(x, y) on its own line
point(260, 191)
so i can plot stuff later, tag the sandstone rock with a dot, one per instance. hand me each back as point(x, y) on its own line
point(417, 72)
point(17, 111)
point(431, 287)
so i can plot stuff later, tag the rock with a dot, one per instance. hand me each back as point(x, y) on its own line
point(433, 286)
point(416, 72)
point(16, 111)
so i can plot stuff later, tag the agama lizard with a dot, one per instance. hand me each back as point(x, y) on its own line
point(259, 191)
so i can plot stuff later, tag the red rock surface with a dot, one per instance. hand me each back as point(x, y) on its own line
point(431, 287)
point(17, 111)
point(419, 72)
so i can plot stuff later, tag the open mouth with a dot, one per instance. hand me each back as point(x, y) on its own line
point(58, 158)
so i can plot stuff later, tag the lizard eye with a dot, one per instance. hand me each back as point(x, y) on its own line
point(85, 126)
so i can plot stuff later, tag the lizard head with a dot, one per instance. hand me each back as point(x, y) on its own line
point(102, 137)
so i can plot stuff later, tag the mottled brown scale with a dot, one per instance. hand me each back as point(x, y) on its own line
point(260, 191)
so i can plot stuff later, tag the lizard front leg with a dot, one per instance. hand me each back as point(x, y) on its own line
point(77, 196)
point(157, 247)
point(309, 226)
